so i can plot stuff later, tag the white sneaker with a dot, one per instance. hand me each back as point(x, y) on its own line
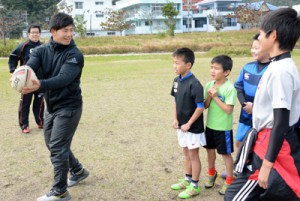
point(53, 196)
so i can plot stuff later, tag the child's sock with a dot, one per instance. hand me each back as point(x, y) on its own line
point(229, 180)
point(194, 183)
point(211, 171)
point(188, 178)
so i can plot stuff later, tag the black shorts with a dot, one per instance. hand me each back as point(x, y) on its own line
point(220, 140)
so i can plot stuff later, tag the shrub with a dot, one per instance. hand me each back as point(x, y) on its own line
point(231, 42)
point(230, 51)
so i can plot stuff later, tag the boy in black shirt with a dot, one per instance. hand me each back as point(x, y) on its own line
point(188, 119)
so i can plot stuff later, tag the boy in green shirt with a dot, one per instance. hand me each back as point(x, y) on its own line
point(220, 98)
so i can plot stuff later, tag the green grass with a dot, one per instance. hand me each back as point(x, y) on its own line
point(233, 43)
point(200, 41)
point(125, 137)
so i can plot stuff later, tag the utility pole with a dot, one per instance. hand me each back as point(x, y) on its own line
point(26, 17)
point(188, 20)
point(90, 23)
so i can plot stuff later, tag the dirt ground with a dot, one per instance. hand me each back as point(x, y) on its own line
point(124, 139)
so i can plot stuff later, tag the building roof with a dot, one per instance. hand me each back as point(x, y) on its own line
point(210, 1)
point(259, 4)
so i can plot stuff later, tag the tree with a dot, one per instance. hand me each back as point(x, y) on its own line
point(216, 20)
point(9, 20)
point(148, 15)
point(80, 25)
point(38, 11)
point(169, 11)
point(247, 16)
point(64, 7)
point(115, 21)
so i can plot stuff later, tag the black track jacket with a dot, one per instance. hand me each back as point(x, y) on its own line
point(61, 68)
point(21, 53)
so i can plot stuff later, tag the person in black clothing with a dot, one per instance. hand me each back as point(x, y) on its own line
point(188, 120)
point(61, 64)
point(271, 172)
point(297, 129)
point(21, 54)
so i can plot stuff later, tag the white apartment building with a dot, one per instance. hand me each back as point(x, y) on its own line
point(146, 15)
point(91, 11)
point(202, 20)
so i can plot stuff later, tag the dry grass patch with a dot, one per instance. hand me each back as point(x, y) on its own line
point(124, 138)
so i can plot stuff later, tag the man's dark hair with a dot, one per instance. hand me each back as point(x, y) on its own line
point(224, 60)
point(60, 20)
point(255, 37)
point(187, 54)
point(33, 26)
point(286, 24)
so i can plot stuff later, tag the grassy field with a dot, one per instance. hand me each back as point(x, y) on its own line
point(230, 42)
point(236, 43)
point(124, 139)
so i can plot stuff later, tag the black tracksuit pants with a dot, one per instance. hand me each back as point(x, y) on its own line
point(37, 108)
point(283, 181)
point(59, 129)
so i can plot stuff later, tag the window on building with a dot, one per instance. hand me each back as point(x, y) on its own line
point(111, 33)
point(177, 6)
point(99, 3)
point(187, 23)
point(148, 23)
point(230, 22)
point(156, 7)
point(199, 22)
point(138, 23)
point(224, 6)
point(99, 15)
point(78, 5)
point(114, 2)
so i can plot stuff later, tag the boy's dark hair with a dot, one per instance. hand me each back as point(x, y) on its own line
point(224, 60)
point(287, 26)
point(187, 54)
point(255, 37)
point(33, 26)
point(60, 20)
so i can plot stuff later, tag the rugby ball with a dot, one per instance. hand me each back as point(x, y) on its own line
point(22, 77)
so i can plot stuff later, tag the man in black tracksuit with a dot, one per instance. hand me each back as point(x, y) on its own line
point(61, 64)
point(22, 53)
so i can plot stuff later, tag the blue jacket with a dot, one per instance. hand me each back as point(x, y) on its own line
point(247, 83)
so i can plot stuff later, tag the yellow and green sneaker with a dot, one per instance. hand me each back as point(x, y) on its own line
point(189, 192)
point(182, 184)
point(211, 180)
point(223, 189)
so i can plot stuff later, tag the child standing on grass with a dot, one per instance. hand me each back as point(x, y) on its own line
point(246, 85)
point(188, 120)
point(220, 98)
point(272, 171)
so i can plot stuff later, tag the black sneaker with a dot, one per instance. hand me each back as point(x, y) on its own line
point(54, 196)
point(75, 178)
